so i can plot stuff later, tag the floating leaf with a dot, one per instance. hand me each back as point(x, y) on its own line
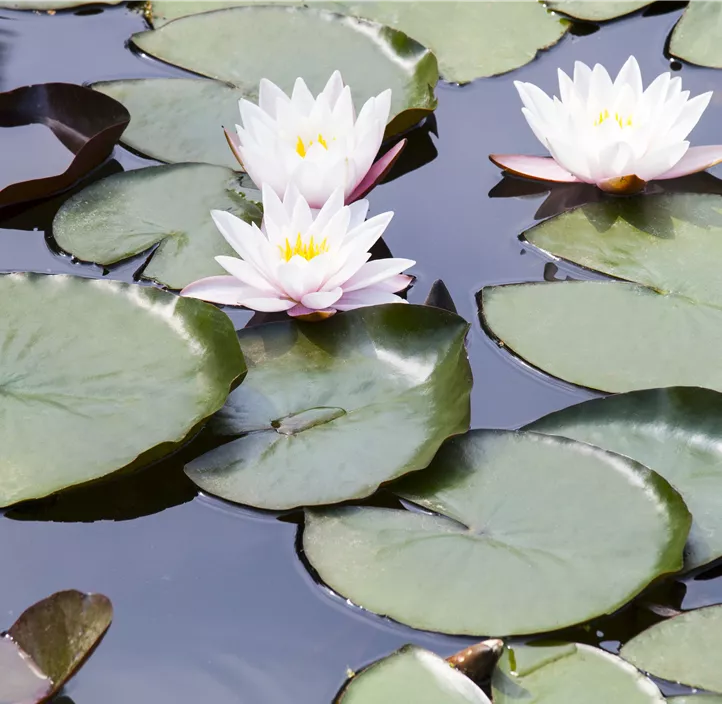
point(242, 45)
point(670, 243)
point(606, 335)
point(53, 4)
point(135, 369)
point(351, 403)
point(20, 680)
point(74, 127)
point(128, 213)
point(676, 432)
point(696, 36)
point(569, 674)
point(597, 11)
point(178, 119)
point(471, 39)
point(529, 533)
point(682, 649)
point(164, 11)
point(696, 699)
point(411, 675)
point(60, 632)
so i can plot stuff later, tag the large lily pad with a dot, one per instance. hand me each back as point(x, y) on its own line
point(470, 39)
point(539, 523)
point(696, 36)
point(669, 242)
point(682, 649)
point(607, 335)
point(569, 673)
point(169, 206)
point(242, 45)
point(676, 432)
point(412, 675)
point(134, 369)
point(21, 682)
point(178, 119)
point(60, 632)
point(597, 11)
point(330, 411)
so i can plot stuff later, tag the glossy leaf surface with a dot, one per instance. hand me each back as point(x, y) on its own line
point(134, 369)
point(415, 675)
point(597, 11)
point(519, 519)
point(569, 673)
point(169, 206)
point(696, 36)
point(329, 411)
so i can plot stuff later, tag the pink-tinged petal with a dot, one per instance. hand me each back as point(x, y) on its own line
point(267, 305)
point(394, 284)
point(696, 159)
point(540, 168)
point(319, 300)
point(247, 274)
point(377, 172)
point(228, 291)
point(235, 145)
point(310, 315)
point(366, 297)
point(373, 272)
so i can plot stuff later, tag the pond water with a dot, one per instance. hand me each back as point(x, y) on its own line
point(212, 602)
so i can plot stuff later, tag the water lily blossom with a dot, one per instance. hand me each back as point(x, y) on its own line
point(316, 144)
point(610, 133)
point(310, 263)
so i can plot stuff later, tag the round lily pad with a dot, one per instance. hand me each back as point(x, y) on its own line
point(244, 44)
point(330, 411)
point(696, 36)
point(135, 369)
point(411, 675)
point(569, 673)
point(178, 119)
point(676, 432)
point(607, 335)
point(522, 519)
point(669, 242)
point(597, 11)
point(168, 206)
point(682, 649)
point(471, 39)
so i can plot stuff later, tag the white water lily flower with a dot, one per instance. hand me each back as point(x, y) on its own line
point(610, 133)
point(316, 144)
point(309, 263)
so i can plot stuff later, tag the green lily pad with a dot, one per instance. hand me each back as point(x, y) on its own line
point(682, 649)
point(539, 523)
point(133, 368)
point(20, 680)
point(178, 119)
point(696, 36)
point(52, 4)
point(169, 206)
point(60, 632)
point(244, 44)
point(569, 674)
point(606, 335)
point(670, 243)
point(412, 675)
point(676, 432)
point(471, 39)
point(597, 11)
point(348, 404)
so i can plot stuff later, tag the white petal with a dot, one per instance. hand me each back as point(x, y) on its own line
point(247, 240)
point(247, 274)
point(582, 79)
point(319, 300)
point(267, 305)
point(366, 297)
point(365, 235)
point(268, 96)
point(631, 76)
point(358, 209)
point(689, 117)
point(333, 88)
point(302, 98)
point(659, 162)
point(373, 272)
point(226, 290)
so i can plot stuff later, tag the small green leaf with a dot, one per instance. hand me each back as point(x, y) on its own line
point(527, 534)
point(169, 206)
point(331, 410)
point(696, 36)
point(682, 649)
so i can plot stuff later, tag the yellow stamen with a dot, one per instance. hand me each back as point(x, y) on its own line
point(619, 119)
point(300, 248)
point(322, 141)
point(301, 147)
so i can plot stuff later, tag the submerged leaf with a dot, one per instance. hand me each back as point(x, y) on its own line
point(521, 519)
point(350, 403)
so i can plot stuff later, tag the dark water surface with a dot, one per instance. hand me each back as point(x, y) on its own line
point(212, 603)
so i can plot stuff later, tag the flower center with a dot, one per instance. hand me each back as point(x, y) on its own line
point(620, 119)
point(302, 249)
point(301, 146)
